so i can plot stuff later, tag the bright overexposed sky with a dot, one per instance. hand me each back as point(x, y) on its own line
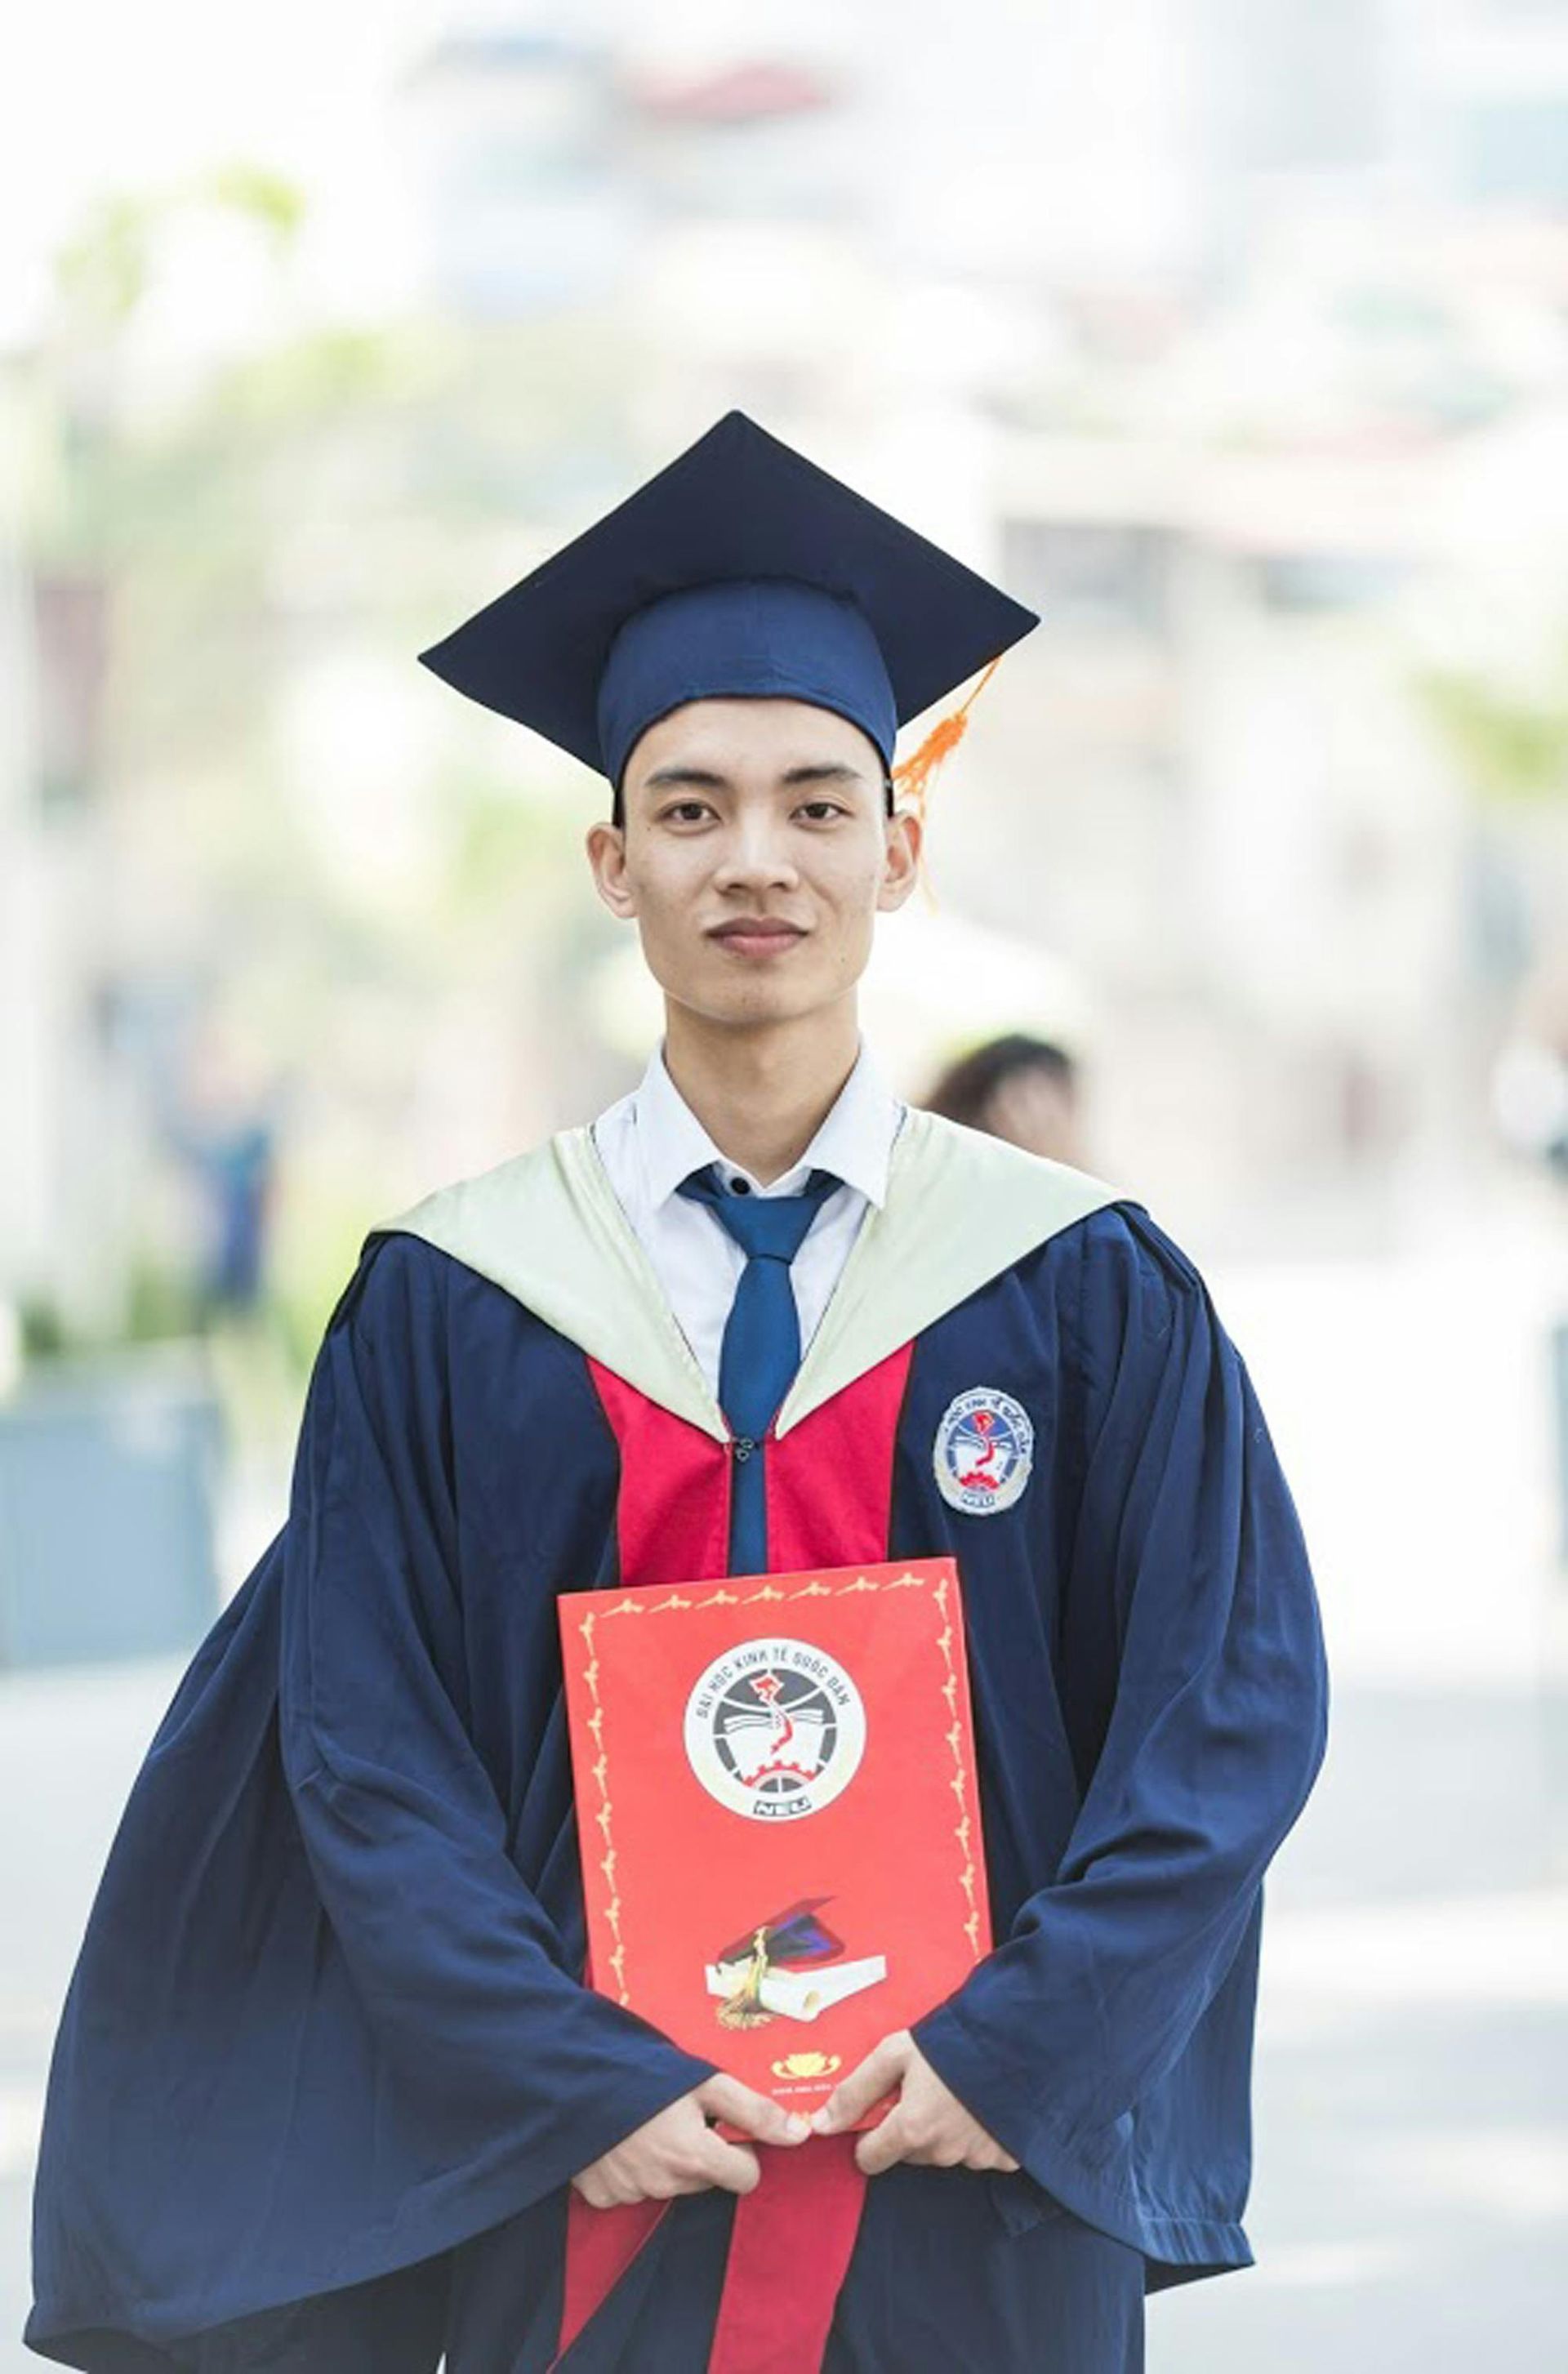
point(98, 98)
point(982, 127)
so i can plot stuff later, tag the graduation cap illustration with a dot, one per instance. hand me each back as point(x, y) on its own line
point(793, 1938)
point(787, 1966)
point(739, 569)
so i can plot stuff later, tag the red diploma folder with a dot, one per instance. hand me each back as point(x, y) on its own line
point(776, 1803)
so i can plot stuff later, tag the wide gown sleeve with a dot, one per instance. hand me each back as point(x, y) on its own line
point(501, 2051)
point(321, 2028)
point(1216, 1733)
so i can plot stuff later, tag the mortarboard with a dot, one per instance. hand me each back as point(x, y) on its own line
point(794, 1938)
point(740, 568)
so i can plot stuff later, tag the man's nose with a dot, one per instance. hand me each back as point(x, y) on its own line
point(756, 849)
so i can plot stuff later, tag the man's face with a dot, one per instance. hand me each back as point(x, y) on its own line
point(754, 854)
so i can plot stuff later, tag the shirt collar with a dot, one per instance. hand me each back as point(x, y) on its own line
point(854, 1141)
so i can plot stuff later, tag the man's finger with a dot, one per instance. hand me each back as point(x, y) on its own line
point(768, 2121)
point(730, 2166)
point(877, 2074)
point(881, 2146)
point(669, 2187)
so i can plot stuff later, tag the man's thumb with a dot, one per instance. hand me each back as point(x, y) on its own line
point(756, 2114)
point(877, 2074)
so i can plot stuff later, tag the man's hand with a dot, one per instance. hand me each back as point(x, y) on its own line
point(676, 2151)
point(927, 2124)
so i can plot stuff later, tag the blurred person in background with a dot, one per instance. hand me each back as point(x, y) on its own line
point(1529, 1098)
point(1016, 1087)
point(330, 2091)
point(1529, 1076)
point(216, 1122)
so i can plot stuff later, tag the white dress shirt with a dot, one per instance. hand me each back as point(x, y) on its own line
point(651, 1140)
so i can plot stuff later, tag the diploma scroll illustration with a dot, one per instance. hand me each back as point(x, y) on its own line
point(787, 1966)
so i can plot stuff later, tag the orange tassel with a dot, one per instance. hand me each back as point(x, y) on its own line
point(912, 775)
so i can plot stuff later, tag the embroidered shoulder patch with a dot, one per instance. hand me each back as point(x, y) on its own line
point(984, 1450)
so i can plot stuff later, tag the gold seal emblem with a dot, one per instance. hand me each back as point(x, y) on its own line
point(806, 2065)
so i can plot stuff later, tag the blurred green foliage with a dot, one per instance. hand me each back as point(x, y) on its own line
point(337, 488)
point(1511, 748)
point(159, 1306)
point(106, 266)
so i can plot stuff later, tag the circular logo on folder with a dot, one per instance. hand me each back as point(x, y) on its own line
point(774, 1729)
point(984, 1450)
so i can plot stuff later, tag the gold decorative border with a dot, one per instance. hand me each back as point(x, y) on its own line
point(959, 1782)
point(631, 1604)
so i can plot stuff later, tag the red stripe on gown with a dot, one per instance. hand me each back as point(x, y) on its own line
point(789, 2249)
point(672, 1525)
point(829, 1491)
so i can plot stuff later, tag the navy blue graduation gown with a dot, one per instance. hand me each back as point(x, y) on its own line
point(325, 2066)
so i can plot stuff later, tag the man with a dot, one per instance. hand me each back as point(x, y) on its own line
point(329, 2094)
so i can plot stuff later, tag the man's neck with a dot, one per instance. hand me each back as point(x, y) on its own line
point(761, 1095)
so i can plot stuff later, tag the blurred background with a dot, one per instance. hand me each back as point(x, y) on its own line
point(1231, 337)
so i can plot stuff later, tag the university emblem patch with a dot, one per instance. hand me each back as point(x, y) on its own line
point(774, 1729)
point(984, 1451)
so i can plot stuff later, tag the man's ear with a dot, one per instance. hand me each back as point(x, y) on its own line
point(905, 833)
point(606, 845)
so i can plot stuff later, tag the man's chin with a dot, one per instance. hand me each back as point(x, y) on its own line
point(748, 1004)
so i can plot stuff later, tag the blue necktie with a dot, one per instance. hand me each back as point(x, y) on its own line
point(762, 1342)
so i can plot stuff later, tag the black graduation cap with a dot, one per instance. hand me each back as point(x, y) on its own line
point(739, 568)
point(793, 1939)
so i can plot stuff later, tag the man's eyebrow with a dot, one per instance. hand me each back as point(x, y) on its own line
point(662, 776)
point(836, 770)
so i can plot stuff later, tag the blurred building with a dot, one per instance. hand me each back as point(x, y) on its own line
point(512, 136)
point(1496, 128)
point(1233, 337)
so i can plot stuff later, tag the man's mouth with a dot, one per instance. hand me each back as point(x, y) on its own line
point(752, 935)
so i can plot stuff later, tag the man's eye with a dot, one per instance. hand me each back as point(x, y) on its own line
point(687, 811)
point(820, 810)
